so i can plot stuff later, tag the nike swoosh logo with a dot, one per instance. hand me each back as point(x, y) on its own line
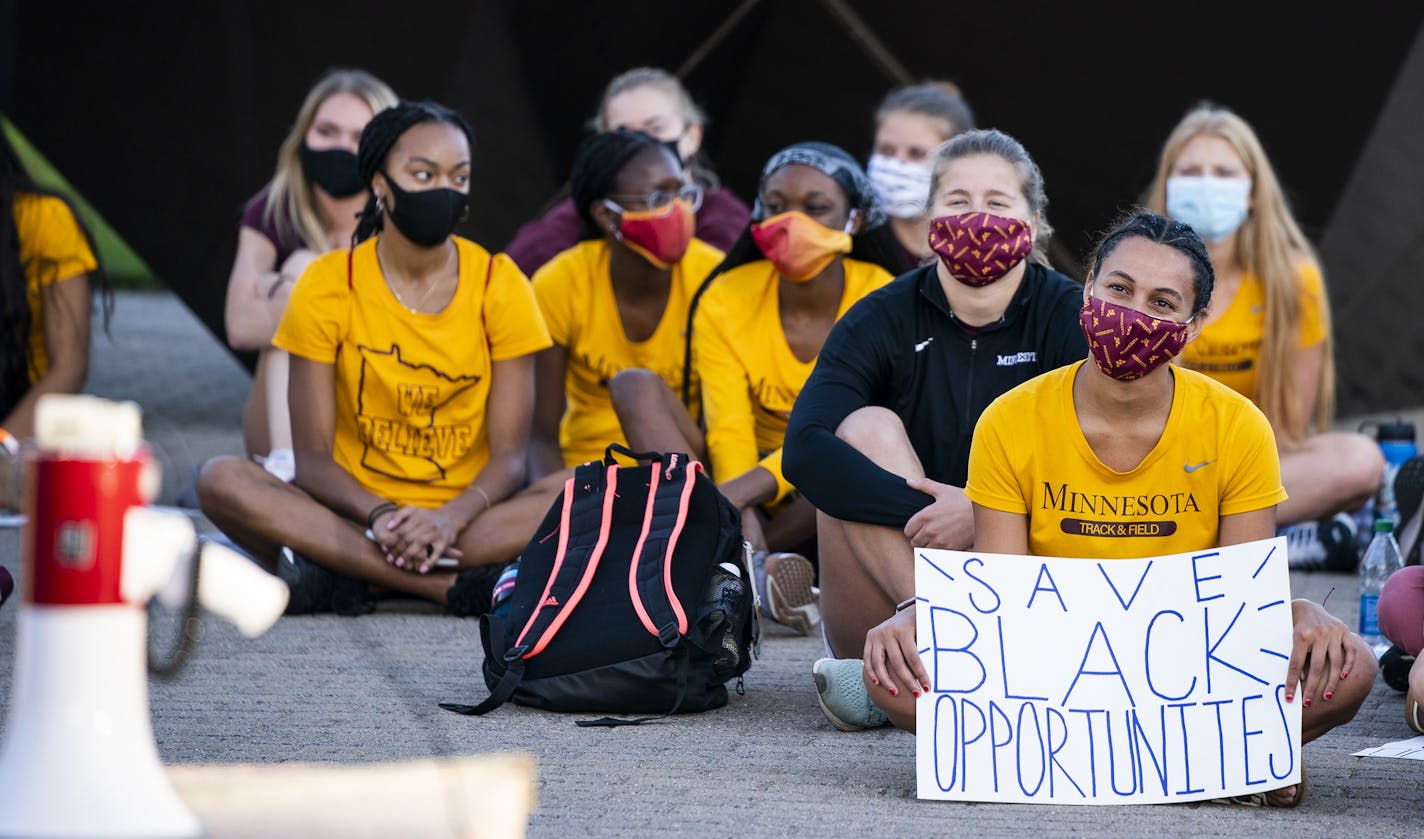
point(1187, 467)
point(925, 343)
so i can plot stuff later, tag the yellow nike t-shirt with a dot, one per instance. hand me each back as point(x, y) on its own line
point(1216, 457)
point(750, 378)
point(411, 388)
point(575, 293)
point(52, 249)
point(1229, 347)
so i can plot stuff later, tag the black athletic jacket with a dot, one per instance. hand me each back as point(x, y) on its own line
point(902, 348)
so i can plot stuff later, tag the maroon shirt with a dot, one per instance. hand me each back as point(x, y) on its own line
point(284, 237)
point(720, 220)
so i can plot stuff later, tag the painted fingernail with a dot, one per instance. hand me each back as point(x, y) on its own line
point(927, 688)
point(894, 692)
point(1307, 703)
point(915, 693)
point(1328, 694)
point(874, 681)
point(1344, 675)
point(1290, 697)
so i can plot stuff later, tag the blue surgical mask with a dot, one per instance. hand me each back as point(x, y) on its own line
point(1213, 207)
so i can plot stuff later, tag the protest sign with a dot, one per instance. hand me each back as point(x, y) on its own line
point(1080, 681)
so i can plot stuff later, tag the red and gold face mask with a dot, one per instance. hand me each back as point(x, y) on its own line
point(800, 247)
point(979, 248)
point(1128, 344)
point(660, 236)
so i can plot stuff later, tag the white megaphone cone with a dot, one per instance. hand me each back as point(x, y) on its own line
point(78, 757)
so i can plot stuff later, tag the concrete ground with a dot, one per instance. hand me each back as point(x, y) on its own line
point(344, 690)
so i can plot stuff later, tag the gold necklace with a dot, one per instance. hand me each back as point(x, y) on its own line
point(414, 310)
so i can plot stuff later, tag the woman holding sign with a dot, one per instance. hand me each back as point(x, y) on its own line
point(1131, 425)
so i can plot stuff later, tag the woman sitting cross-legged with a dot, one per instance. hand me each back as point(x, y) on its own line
point(411, 391)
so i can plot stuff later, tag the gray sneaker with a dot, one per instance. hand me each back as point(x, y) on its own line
point(841, 692)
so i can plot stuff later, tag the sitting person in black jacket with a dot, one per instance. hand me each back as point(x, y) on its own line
point(879, 437)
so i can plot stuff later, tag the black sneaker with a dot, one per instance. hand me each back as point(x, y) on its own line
point(311, 585)
point(1394, 667)
point(470, 596)
point(1327, 545)
point(351, 598)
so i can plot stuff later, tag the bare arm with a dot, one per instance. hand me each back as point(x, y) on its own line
point(311, 391)
point(1305, 364)
point(1247, 527)
point(545, 457)
point(997, 532)
point(257, 290)
point(66, 339)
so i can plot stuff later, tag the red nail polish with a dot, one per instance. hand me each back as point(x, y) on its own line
point(894, 692)
point(1328, 694)
point(916, 694)
point(1290, 697)
point(1344, 675)
point(874, 681)
point(927, 688)
point(1307, 703)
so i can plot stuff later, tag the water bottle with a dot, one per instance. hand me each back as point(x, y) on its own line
point(1381, 560)
point(1396, 442)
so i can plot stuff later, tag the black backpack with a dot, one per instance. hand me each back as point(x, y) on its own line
point(633, 597)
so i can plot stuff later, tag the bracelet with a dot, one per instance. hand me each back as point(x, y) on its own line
point(378, 511)
point(905, 604)
point(485, 496)
point(9, 443)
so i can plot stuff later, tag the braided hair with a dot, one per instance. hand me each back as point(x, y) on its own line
point(377, 139)
point(16, 320)
point(597, 163)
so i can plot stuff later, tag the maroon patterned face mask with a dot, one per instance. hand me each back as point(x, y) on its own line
point(979, 248)
point(1127, 344)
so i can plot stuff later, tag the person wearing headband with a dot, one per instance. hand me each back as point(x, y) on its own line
point(1269, 335)
point(879, 437)
point(619, 299)
point(1198, 458)
point(817, 243)
point(308, 208)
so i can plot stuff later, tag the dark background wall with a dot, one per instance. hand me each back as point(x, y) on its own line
point(168, 116)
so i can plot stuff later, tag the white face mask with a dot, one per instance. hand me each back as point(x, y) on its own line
point(903, 188)
point(1213, 207)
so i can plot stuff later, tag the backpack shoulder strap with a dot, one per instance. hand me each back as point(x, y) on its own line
point(650, 574)
point(583, 535)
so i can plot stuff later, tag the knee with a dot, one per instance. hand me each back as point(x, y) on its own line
point(633, 388)
point(1358, 464)
point(218, 483)
point(1401, 609)
point(873, 430)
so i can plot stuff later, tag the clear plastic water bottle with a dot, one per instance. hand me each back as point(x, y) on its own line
point(1381, 560)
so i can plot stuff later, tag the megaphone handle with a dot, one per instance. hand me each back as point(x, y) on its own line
point(192, 627)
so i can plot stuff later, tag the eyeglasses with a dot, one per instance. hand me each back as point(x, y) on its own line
point(690, 195)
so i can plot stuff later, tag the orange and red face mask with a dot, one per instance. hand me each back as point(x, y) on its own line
point(798, 246)
point(660, 236)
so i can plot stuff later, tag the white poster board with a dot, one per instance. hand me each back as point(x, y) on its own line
point(1079, 681)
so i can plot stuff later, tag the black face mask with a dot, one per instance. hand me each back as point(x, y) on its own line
point(334, 170)
point(427, 217)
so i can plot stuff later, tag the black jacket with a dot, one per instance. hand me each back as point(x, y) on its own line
point(902, 348)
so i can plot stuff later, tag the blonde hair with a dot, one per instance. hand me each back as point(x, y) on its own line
point(669, 84)
point(1272, 248)
point(995, 142)
point(290, 206)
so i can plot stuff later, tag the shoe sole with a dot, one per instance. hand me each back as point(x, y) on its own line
point(836, 721)
point(790, 593)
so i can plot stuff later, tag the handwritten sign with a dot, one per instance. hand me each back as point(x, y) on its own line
point(1079, 681)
